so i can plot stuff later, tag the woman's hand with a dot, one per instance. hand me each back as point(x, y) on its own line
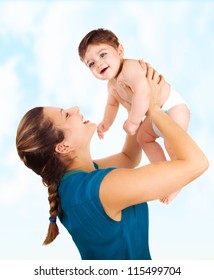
point(156, 83)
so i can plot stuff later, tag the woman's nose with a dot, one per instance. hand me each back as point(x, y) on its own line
point(74, 109)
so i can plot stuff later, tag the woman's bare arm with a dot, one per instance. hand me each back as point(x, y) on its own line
point(125, 187)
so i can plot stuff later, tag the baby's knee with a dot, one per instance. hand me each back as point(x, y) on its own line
point(143, 138)
point(140, 140)
point(141, 135)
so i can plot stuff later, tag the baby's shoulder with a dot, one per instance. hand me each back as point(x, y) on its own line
point(130, 65)
point(130, 62)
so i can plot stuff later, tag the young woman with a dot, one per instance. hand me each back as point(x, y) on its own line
point(103, 203)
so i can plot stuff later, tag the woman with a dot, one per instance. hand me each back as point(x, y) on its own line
point(102, 203)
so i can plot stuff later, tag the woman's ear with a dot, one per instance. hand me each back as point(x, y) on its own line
point(121, 50)
point(63, 148)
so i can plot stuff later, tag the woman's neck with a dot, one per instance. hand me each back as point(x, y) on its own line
point(82, 163)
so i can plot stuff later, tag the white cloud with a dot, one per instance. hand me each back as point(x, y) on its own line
point(18, 18)
point(10, 95)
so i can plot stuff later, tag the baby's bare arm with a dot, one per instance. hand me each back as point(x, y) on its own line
point(135, 77)
point(110, 113)
point(111, 108)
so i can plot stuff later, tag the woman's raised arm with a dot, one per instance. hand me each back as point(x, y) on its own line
point(125, 187)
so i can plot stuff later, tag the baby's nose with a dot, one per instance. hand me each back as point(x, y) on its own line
point(99, 63)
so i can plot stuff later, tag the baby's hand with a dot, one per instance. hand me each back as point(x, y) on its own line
point(130, 128)
point(101, 128)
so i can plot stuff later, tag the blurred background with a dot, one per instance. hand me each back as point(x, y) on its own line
point(39, 66)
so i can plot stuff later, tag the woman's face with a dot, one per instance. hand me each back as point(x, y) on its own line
point(77, 130)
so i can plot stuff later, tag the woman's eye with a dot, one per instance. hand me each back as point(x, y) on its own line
point(66, 115)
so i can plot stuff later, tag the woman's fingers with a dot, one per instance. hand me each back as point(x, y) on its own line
point(150, 71)
point(161, 80)
point(143, 64)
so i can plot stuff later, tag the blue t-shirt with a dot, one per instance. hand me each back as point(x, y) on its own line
point(96, 235)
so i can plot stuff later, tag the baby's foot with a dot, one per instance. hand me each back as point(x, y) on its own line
point(169, 198)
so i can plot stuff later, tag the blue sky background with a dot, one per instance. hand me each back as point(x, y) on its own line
point(39, 65)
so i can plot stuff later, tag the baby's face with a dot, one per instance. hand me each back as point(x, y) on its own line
point(103, 60)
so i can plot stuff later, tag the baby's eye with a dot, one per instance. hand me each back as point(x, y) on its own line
point(102, 55)
point(91, 64)
point(67, 115)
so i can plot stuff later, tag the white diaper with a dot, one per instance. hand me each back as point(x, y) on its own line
point(174, 99)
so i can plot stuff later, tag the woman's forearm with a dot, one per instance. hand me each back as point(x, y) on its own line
point(183, 145)
point(132, 151)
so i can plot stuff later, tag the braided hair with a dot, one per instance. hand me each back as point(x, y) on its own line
point(36, 140)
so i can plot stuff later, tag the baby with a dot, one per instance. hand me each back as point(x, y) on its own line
point(102, 52)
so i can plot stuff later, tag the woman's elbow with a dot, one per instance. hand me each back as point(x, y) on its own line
point(204, 164)
point(200, 166)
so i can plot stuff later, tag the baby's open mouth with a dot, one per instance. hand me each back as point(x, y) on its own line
point(103, 70)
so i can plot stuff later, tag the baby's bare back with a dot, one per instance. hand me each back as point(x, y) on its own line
point(124, 97)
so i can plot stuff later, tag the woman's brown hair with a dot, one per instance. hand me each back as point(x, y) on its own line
point(36, 140)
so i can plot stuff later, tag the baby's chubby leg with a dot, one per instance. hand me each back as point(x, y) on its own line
point(146, 138)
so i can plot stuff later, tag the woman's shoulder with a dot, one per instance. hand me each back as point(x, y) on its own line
point(84, 184)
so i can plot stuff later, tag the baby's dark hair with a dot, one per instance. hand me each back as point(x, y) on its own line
point(96, 37)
